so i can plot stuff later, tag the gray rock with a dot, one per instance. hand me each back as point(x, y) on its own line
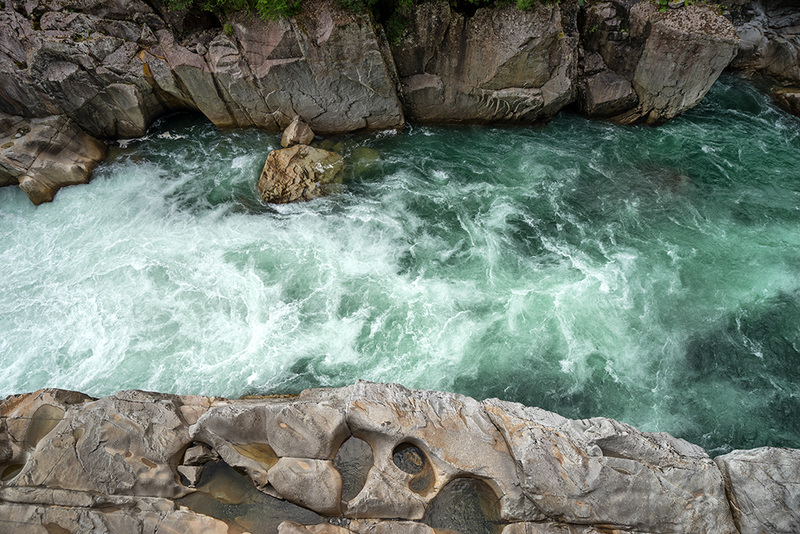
point(455, 437)
point(764, 488)
point(298, 173)
point(297, 133)
point(125, 444)
point(581, 471)
point(502, 64)
point(685, 52)
point(606, 94)
point(769, 42)
point(671, 59)
point(313, 484)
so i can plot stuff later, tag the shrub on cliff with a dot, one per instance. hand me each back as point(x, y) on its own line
point(393, 11)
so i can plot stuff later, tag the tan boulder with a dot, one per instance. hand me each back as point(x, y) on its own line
point(297, 173)
point(421, 441)
point(125, 444)
point(297, 133)
point(44, 155)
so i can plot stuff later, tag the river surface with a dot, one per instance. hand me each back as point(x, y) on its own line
point(646, 274)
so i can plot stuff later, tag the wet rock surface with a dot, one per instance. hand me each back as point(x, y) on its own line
point(368, 458)
point(297, 173)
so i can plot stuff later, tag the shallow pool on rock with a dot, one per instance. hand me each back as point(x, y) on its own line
point(646, 274)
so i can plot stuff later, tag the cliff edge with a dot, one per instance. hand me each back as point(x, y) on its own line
point(368, 458)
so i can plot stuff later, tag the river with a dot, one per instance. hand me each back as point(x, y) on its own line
point(646, 274)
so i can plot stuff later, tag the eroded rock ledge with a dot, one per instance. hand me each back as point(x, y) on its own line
point(368, 458)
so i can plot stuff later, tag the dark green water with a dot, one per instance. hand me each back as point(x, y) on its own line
point(646, 274)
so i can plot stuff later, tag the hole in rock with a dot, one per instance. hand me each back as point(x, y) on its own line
point(11, 471)
point(412, 460)
point(409, 458)
point(353, 461)
point(466, 506)
point(44, 419)
point(226, 494)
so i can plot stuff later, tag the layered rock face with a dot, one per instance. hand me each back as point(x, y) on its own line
point(367, 458)
point(642, 64)
point(113, 67)
point(500, 64)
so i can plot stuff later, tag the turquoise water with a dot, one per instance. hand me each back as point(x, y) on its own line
point(646, 274)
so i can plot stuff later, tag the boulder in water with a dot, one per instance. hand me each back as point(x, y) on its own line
point(44, 155)
point(300, 172)
point(297, 133)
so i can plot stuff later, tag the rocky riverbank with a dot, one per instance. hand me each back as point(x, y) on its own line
point(103, 70)
point(368, 458)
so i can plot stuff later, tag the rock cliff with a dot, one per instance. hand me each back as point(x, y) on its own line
point(367, 458)
point(112, 67)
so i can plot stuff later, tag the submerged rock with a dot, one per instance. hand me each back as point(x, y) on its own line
point(297, 173)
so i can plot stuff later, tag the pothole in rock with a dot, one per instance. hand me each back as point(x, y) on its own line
point(226, 494)
point(353, 461)
point(412, 460)
point(44, 419)
point(466, 506)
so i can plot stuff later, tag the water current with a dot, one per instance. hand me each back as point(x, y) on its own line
point(646, 274)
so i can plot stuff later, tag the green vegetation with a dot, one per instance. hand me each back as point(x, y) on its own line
point(393, 12)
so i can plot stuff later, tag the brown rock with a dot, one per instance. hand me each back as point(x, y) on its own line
point(298, 173)
point(44, 155)
point(297, 133)
point(789, 99)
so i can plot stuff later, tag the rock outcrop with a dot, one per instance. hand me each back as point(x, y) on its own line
point(368, 458)
point(44, 155)
point(500, 64)
point(111, 68)
point(670, 59)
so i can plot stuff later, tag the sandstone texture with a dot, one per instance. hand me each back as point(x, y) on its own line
point(44, 155)
point(300, 172)
point(367, 458)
